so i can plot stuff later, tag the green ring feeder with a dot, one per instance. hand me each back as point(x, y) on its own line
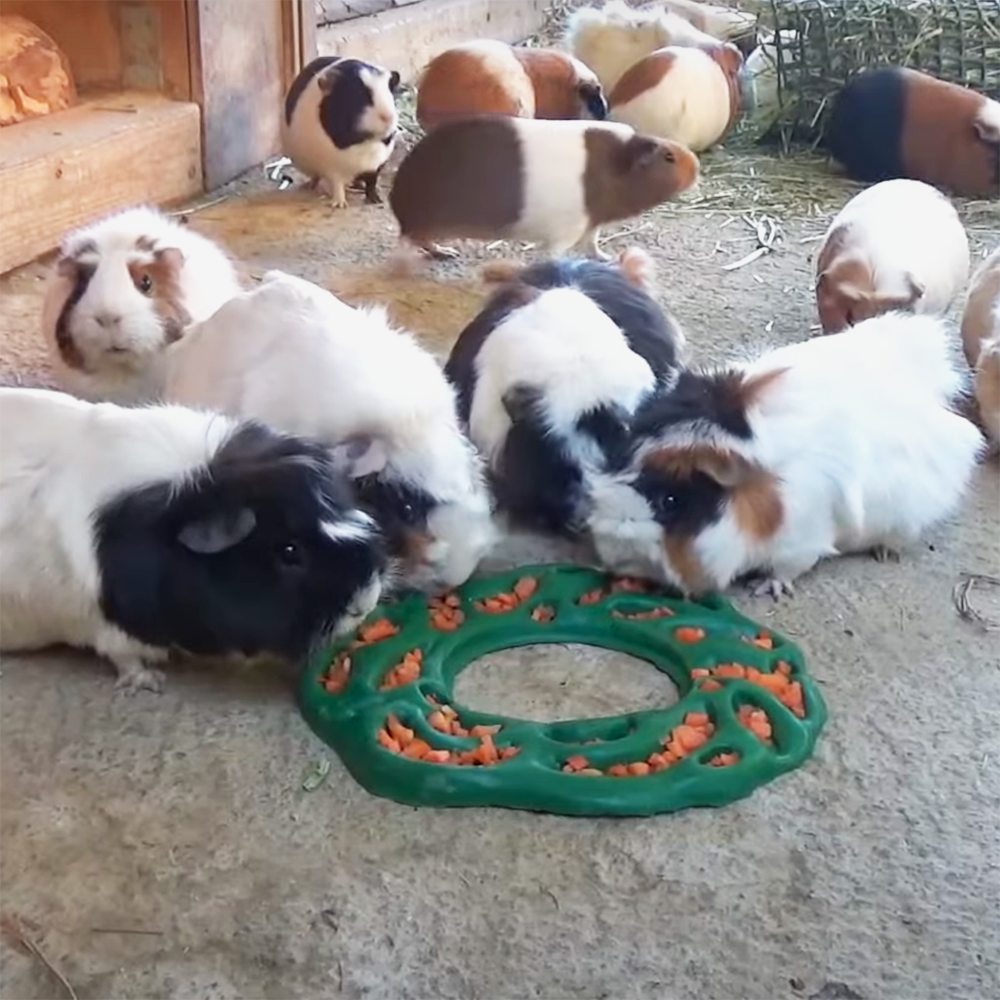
point(535, 779)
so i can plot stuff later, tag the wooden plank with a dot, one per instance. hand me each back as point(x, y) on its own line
point(72, 167)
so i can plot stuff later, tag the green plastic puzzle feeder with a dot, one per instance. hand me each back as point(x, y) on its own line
point(747, 711)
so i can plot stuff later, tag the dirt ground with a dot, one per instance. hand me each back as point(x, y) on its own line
point(162, 846)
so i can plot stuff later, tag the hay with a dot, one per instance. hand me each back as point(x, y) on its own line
point(819, 45)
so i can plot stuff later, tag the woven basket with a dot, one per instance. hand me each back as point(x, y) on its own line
point(819, 45)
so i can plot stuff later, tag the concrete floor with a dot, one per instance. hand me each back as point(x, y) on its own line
point(871, 872)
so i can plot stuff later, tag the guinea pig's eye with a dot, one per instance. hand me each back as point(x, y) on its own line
point(145, 284)
point(668, 155)
point(291, 554)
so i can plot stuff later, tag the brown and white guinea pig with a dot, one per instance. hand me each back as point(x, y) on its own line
point(687, 94)
point(339, 124)
point(491, 77)
point(898, 245)
point(548, 376)
point(838, 444)
point(894, 122)
point(293, 355)
point(550, 182)
point(121, 291)
point(615, 37)
point(135, 530)
point(981, 341)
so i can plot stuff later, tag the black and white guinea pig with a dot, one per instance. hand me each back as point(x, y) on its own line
point(122, 290)
point(132, 531)
point(293, 355)
point(549, 374)
point(339, 124)
point(840, 444)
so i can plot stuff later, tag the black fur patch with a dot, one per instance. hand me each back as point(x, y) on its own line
point(65, 343)
point(399, 508)
point(609, 428)
point(865, 128)
point(340, 110)
point(275, 591)
point(300, 83)
point(683, 507)
point(708, 400)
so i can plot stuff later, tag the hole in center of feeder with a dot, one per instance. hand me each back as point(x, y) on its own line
point(547, 683)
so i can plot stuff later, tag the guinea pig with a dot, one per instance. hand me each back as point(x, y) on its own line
point(615, 37)
point(981, 341)
point(896, 246)
point(291, 354)
point(339, 124)
point(550, 182)
point(724, 23)
point(491, 77)
point(132, 531)
point(121, 291)
point(839, 444)
point(894, 122)
point(681, 93)
point(548, 375)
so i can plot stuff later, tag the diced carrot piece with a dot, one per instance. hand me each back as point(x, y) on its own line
point(752, 674)
point(507, 752)
point(688, 633)
point(628, 585)
point(417, 750)
point(591, 597)
point(457, 729)
point(566, 769)
point(432, 699)
point(378, 630)
point(484, 730)
point(398, 731)
point(488, 751)
point(697, 719)
point(446, 625)
point(525, 587)
point(762, 641)
point(792, 699)
point(449, 713)
point(675, 749)
point(730, 670)
point(407, 672)
point(784, 667)
point(493, 605)
point(690, 738)
point(639, 768)
point(577, 763)
point(453, 601)
point(543, 613)
point(671, 758)
point(437, 721)
point(590, 772)
point(657, 761)
point(466, 757)
point(711, 685)
point(387, 741)
point(437, 756)
point(618, 771)
point(724, 759)
point(699, 672)
point(775, 683)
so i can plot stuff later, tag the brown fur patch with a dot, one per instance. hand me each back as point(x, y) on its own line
point(624, 177)
point(839, 281)
point(686, 564)
point(750, 390)
point(726, 467)
point(497, 272)
point(464, 81)
point(987, 391)
point(555, 82)
point(638, 268)
point(940, 143)
point(164, 271)
point(757, 506)
point(977, 319)
point(415, 545)
point(644, 75)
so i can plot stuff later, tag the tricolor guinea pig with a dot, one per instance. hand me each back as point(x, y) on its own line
point(548, 376)
point(895, 122)
point(339, 124)
point(491, 77)
point(981, 341)
point(550, 182)
point(615, 37)
point(839, 444)
point(690, 95)
point(121, 291)
point(293, 355)
point(898, 245)
point(135, 530)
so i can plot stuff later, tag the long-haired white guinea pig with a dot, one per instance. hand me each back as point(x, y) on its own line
point(295, 356)
point(122, 290)
point(132, 531)
point(549, 374)
point(981, 341)
point(898, 245)
point(840, 444)
point(339, 124)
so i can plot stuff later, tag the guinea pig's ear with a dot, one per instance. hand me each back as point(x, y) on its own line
point(917, 289)
point(641, 152)
point(360, 456)
point(328, 78)
point(170, 257)
point(988, 132)
point(217, 532)
point(394, 81)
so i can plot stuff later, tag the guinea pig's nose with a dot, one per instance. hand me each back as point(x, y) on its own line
point(107, 320)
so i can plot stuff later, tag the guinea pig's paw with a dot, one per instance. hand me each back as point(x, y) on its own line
point(772, 587)
point(885, 553)
point(134, 676)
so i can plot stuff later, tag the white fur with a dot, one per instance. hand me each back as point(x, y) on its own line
point(291, 354)
point(861, 438)
point(615, 37)
point(564, 345)
point(60, 460)
point(988, 120)
point(312, 151)
point(902, 229)
point(690, 104)
point(114, 325)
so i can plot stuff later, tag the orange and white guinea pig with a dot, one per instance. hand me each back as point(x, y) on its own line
point(490, 77)
point(981, 341)
point(690, 95)
point(896, 246)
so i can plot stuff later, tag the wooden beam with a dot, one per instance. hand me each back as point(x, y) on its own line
point(69, 168)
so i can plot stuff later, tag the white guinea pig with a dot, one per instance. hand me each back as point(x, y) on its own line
point(132, 531)
point(293, 355)
point(339, 124)
point(549, 374)
point(840, 444)
point(898, 245)
point(123, 289)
